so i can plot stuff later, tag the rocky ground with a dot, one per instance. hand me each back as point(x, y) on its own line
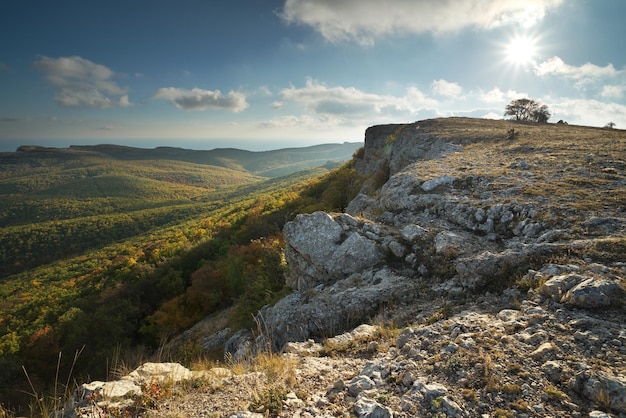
point(490, 257)
point(500, 356)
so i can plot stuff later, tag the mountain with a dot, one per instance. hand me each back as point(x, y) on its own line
point(488, 257)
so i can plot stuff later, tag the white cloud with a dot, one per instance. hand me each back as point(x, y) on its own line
point(199, 99)
point(587, 76)
point(365, 20)
point(320, 122)
point(82, 82)
point(589, 112)
point(556, 66)
point(613, 91)
point(353, 103)
point(491, 115)
point(496, 95)
point(445, 88)
point(277, 105)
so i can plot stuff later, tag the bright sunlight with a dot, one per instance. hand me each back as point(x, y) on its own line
point(521, 50)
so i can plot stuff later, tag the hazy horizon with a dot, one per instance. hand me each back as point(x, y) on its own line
point(247, 145)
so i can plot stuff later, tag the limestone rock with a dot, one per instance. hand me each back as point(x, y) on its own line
point(601, 387)
point(119, 393)
point(328, 310)
point(239, 346)
point(365, 407)
point(431, 185)
point(216, 340)
point(582, 291)
point(161, 372)
point(592, 293)
point(322, 249)
point(543, 351)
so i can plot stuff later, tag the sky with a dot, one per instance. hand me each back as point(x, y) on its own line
point(268, 74)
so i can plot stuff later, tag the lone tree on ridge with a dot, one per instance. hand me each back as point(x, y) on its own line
point(527, 110)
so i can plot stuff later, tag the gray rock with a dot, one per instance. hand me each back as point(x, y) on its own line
point(429, 391)
point(118, 394)
point(592, 293)
point(508, 315)
point(543, 351)
point(451, 408)
point(600, 387)
point(552, 370)
point(365, 407)
point(216, 340)
point(328, 311)
point(431, 185)
point(359, 384)
point(558, 286)
point(449, 243)
point(95, 398)
point(599, 414)
point(413, 232)
point(239, 346)
point(322, 249)
point(247, 414)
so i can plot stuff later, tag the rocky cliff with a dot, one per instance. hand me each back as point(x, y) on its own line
point(495, 250)
point(466, 206)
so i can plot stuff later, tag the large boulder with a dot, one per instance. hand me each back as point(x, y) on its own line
point(329, 310)
point(582, 290)
point(323, 248)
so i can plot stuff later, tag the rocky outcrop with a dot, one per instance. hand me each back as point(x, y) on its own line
point(130, 393)
point(424, 228)
point(323, 248)
point(326, 310)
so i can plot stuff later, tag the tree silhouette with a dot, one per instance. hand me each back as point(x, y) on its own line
point(527, 110)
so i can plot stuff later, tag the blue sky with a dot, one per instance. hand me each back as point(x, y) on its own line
point(266, 74)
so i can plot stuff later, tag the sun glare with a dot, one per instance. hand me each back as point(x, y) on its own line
point(521, 50)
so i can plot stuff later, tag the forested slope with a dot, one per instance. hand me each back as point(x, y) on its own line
point(106, 255)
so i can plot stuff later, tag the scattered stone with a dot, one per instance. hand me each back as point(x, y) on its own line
point(601, 388)
point(544, 350)
point(553, 371)
point(592, 293)
point(430, 185)
point(369, 408)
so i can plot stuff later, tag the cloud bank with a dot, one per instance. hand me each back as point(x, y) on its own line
point(365, 20)
point(81, 82)
point(199, 99)
point(352, 102)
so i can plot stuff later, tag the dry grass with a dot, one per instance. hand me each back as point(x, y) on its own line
point(568, 171)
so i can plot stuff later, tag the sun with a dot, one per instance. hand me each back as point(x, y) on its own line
point(521, 50)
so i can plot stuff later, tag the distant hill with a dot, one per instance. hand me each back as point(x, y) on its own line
point(273, 163)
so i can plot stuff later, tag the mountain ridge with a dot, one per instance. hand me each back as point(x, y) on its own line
point(272, 163)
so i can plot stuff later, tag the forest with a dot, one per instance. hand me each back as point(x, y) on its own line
point(108, 255)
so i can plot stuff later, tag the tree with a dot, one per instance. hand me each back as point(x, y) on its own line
point(610, 125)
point(527, 110)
